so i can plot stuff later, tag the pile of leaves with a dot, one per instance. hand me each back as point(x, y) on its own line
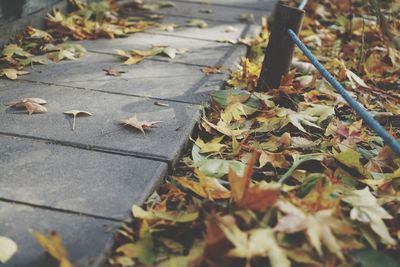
point(291, 176)
point(87, 21)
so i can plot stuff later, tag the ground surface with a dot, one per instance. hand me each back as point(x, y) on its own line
point(82, 183)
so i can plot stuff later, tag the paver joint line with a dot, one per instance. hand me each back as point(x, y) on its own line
point(59, 210)
point(91, 148)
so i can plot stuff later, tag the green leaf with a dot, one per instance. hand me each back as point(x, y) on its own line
point(12, 49)
point(243, 96)
point(373, 258)
point(142, 249)
point(297, 161)
point(351, 159)
point(309, 184)
point(216, 167)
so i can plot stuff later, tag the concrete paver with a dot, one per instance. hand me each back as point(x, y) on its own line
point(102, 131)
point(148, 78)
point(200, 53)
point(72, 179)
point(85, 237)
point(266, 5)
point(217, 11)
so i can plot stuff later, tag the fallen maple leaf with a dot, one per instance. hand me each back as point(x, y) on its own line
point(259, 242)
point(213, 146)
point(114, 72)
point(140, 125)
point(66, 51)
point(12, 49)
point(207, 187)
point(12, 74)
point(76, 113)
point(160, 4)
point(259, 196)
point(367, 210)
point(39, 34)
point(318, 226)
point(21, 103)
point(52, 245)
point(32, 105)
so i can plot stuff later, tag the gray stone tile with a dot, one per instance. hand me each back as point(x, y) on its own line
point(201, 53)
point(75, 179)
point(101, 131)
point(214, 32)
point(148, 78)
point(84, 237)
point(242, 4)
point(221, 12)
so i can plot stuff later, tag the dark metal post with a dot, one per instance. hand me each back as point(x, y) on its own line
point(279, 52)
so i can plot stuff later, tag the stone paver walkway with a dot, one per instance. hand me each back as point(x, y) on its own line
point(83, 183)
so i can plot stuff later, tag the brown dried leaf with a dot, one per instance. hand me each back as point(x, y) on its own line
point(52, 245)
point(140, 125)
point(12, 74)
point(213, 70)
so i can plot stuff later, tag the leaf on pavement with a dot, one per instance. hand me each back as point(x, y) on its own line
point(213, 70)
point(7, 249)
point(114, 72)
point(32, 105)
point(140, 125)
point(12, 49)
point(197, 23)
point(157, 103)
point(12, 74)
point(66, 51)
point(39, 34)
point(52, 244)
point(158, 5)
point(77, 113)
point(168, 27)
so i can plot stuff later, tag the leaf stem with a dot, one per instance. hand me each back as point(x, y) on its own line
point(73, 123)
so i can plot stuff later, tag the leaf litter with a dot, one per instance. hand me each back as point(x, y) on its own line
point(285, 177)
point(291, 176)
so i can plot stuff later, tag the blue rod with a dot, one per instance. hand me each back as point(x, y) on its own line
point(360, 110)
point(303, 4)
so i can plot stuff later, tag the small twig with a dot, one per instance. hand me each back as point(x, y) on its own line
point(361, 57)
